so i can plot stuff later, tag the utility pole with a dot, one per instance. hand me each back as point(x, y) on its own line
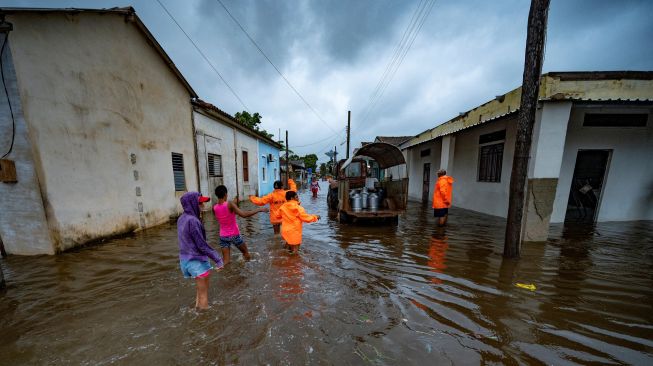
point(348, 131)
point(536, 35)
point(287, 171)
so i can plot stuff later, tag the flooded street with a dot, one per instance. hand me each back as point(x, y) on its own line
point(406, 294)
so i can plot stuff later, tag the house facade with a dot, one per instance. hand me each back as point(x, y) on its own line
point(268, 165)
point(230, 154)
point(101, 127)
point(590, 159)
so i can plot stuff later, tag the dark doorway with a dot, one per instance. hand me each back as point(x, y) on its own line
point(426, 182)
point(587, 185)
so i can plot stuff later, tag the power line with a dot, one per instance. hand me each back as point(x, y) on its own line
point(330, 137)
point(275, 67)
point(204, 56)
point(410, 34)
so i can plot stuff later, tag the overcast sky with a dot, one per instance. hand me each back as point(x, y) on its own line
point(335, 52)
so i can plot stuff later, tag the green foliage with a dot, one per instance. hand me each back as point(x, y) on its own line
point(252, 121)
point(310, 161)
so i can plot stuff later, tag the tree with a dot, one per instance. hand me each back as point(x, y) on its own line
point(310, 161)
point(252, 121)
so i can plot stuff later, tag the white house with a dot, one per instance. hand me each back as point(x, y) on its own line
point(228, 152)
point(591, 158)
point(100, 122)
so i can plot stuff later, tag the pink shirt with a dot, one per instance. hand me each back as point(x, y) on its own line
point(227, 220)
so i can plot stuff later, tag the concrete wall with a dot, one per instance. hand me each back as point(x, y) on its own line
point(216, 138)
point(628, 187)
point(249, 144)
point(468, 192)
point(94, 92)
point(266, 184)
point(23, 225)
point(415, 167)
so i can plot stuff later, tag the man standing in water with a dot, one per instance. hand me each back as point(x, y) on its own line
point(275, 200)
point(442, 197)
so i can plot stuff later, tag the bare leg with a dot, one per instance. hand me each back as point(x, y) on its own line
point(294, 249)
point(202, 286)
point(442, 220)
point(243, 249)
point(226, 255)
point(276, 228)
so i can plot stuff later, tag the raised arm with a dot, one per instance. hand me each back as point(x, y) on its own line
point(242, 213)
point(261, 201)
point(304, 217)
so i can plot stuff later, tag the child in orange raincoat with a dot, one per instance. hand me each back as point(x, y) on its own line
point(442, 197)
point(275, 200)
point(292, 216)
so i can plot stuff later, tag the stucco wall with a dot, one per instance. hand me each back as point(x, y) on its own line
point(214, 137)
point(468, 192)
point(23, 226)
point(628, 187)
point(94, 92)
point(266, 184)
point(415, 168)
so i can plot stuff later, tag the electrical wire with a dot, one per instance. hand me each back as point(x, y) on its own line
point(317, 142)
point(203, 55)
point(275, 67)
point(408, 38)
point(11, 110)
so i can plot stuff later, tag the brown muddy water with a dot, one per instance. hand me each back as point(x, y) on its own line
point(410, 294)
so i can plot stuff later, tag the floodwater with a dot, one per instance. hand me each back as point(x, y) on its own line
point(410, 294)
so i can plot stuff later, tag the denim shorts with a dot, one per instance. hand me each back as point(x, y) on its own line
point(194, 268)
point(227, 241)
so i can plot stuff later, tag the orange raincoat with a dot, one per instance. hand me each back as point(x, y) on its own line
point(275, 200)
point(442, 192)
point(292, 217)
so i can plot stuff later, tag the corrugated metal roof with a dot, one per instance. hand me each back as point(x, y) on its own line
point(586, 87)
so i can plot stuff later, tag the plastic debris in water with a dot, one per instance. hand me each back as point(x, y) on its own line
point(527, 286)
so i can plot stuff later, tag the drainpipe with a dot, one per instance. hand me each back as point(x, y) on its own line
point(236, 162)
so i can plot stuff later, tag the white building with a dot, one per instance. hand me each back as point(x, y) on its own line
point(228, 152)
point(591, 158)
point(102, 129)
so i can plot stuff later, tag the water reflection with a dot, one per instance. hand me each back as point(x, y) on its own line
point(406, 294)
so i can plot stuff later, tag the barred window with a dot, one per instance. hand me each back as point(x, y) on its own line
point(215, 165)
point(245, 167)
point(490, 159)
point(178, 171)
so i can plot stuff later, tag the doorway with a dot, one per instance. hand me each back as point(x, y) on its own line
point(587, 185)
point(426, 182)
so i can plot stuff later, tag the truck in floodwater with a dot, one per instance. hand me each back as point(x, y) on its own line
point(359, 198)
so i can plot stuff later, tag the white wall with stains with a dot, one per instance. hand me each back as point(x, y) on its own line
point(94, 92)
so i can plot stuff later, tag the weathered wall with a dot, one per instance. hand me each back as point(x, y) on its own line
point(23, 226)
point(249, 144)
point(214, 137)
point(486, 197)
point(415, 168)
point(266, 184)
point(94, 92)
point(628, 186)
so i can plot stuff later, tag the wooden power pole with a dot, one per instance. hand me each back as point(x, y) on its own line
point(535, 39)
point(287, 162)
point(2, 278)
point(348, 131)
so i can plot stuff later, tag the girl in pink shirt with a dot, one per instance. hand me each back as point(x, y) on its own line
point(225, 212)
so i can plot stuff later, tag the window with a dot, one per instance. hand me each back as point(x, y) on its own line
point(245, 167)
point(615, 120)
point(424, 153)
point(353, 170)
point(263, 176)
point(215, 165)
point(491, 156)
point(178, 171)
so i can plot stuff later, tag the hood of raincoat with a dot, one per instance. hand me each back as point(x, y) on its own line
point(190, 203)
point(447, 178)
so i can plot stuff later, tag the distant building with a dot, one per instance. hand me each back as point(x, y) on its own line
point(229, 153)
point(591, 158)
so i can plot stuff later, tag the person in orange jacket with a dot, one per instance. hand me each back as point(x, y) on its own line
point(292, 217)
point(442, 197)
point(275, 200)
